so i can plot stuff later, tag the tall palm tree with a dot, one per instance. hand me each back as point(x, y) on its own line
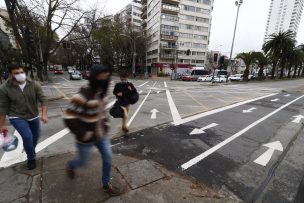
point(248, 58)
point(278, 45)
point(294, 59)
point(262, 60)
point(301, 67)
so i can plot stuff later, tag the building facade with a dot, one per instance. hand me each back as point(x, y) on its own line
point(178, 32)
point(131, 15)
point(284, 15)
point(6, 34)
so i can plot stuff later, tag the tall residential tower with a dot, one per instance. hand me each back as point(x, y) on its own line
point(284, 15)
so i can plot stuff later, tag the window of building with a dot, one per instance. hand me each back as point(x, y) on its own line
point(187, 17)
point(187, 8)
point(186, 26)
point(185, 35)
point(185, 44)
point(199, 45)
point(169, 17)
point(202, 10)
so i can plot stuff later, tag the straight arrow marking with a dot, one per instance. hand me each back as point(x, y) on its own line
point(274, 100)
point(297, 119)
point(197, 131)
point(154, 111)
point(266, 156)
point(287, 95)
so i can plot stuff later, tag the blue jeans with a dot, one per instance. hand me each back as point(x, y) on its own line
point(30, 132)
point(104, 147)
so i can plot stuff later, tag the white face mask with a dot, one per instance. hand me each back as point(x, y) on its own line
point(20, 77)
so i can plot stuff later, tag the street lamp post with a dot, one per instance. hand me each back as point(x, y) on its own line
point(238, 4)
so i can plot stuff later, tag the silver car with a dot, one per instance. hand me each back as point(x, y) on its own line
point(76, 75)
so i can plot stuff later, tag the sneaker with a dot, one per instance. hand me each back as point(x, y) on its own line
point(70, 172)
point(112, 191)
point(31, 164)
point(125, 130)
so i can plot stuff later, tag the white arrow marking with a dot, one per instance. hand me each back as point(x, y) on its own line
point(249, 110)
point(287, 95)
point(298, 119)
point(154, 111)
point(197, 131)
point(265, 158)
point(274, 100)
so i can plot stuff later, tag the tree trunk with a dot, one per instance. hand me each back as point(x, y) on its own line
point(289, 70)
point(282, 69)
point(261, 73)
point(295, 72)
point(246, 73)
point(299, 71)
point(273, 69)
point(302, 74)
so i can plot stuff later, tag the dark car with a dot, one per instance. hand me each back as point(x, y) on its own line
point(86, 74)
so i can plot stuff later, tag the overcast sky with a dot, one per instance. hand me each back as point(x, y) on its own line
point(251, 26)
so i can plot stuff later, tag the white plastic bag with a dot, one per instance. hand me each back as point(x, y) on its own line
point(10, 142)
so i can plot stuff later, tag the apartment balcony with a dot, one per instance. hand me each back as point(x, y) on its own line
point(168, 37)
point(166, 56)
point(170, 9)
point(171, 1)
point(168, 47)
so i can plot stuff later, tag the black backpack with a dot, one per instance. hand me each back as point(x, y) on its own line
point(133, 96)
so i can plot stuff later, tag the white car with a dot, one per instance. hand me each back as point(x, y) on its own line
point(237, 77)
point(71, 70)
point(220, 79)
point(204, 78)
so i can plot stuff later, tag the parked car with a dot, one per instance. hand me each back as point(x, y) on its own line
point(58, 69)
point(205, 78)
point(237, 77)
point(220, 79)
point(76, 75)
point(186, 77)
point(86, 74)
point(51, 68)
point(71, 69)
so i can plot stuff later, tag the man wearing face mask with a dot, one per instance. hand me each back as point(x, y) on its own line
point(19, 99)
point(122, 90)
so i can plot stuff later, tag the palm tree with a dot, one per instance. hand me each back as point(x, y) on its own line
point(295, 59)
point(301, 68)
point(262, 61)
point(248, 58)
point(278, 45)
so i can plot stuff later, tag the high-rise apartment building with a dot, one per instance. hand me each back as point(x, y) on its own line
point(284, 15)
point(177, 32)
point(131, 15)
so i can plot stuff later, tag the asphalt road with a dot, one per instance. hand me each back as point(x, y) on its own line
point(181, 107)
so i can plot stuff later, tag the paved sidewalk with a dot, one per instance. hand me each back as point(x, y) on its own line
point(139, 180)
point(51, 93)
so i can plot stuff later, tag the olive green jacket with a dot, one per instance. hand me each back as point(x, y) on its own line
point(15, 103)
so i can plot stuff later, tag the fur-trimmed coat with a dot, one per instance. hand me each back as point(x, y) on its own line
point(86, 116)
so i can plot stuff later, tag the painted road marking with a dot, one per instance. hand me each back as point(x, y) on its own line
point(197, 131)
point(13, 157)
point(180, 121)
point(61, 93)
point(274, 100)
point(137, 110)
point(297, 119)
point(65, 79)
point(140, 92)
point(249, 110)
point(109, 105)
point(174, 112)
point(287, 95)
point(266, 156)
point(153, 115)
point(233, 137)
point(157, 92)
point(165, 84)
point(143, 84)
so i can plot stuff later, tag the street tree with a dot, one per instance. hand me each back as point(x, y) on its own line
point(262, 60)
point(248, 58)
point(53, 16)
point(278, 45)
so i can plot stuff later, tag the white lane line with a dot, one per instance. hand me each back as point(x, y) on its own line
point(109, 105)
point(165, 84)
point(61, 93)
point(228, 140)
point(143, 84)
point(65, 79)
point(137, 110)
point(45, 143)
point(174, 112)
point(208, 113)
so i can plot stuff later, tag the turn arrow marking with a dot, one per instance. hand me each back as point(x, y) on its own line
point(265, 158)
point(197, 131)
point(249, 110)
point(154, 111)
point(297, 119)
